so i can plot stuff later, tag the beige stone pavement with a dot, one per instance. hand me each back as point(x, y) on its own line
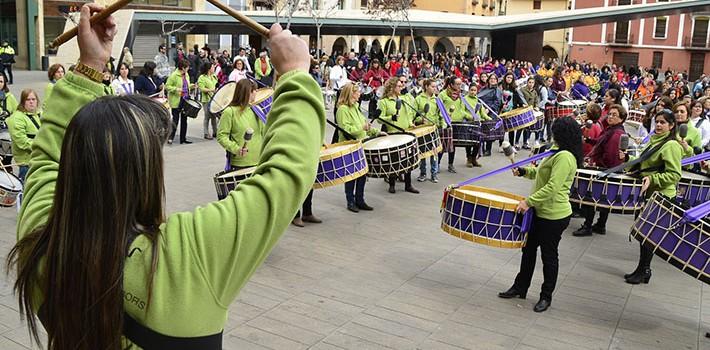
point(391, 279)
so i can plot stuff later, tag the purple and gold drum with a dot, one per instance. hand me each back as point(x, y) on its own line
point(391, 155)
point(686, 245)
point(340, 163)
point(486, 216)
point(226, 181)
point(558, 111)
point(636, 115)
point(619, 193)
point(262, 102)
point(519, 118)
point(539, 125)
point(428, 140)
point(693, 189)
point(466, 134)
point(491, 131)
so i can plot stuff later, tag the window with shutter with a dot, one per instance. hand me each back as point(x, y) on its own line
point(659, 31)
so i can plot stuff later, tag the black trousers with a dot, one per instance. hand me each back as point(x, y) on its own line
point(645, 254)
point(178, 116)
point(472, 151)
point(452, 156)
point(8, 69)
point(407, 180)
point(545, 234)
point(335, 120)
point(588, 213)
point(307, 205)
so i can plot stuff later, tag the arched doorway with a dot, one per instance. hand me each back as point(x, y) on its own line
point(421, 44)
point(362, 46)
point(444, 45)
point(390, 47)
point(339, 46)
point(376, 46)
point(548, 52)
point(473, 44)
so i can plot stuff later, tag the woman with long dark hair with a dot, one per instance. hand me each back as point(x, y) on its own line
point(550, 199)
point(97, 259)
point(660, 171)
point(147, 83)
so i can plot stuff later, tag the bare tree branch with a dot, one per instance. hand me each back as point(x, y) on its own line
point(393, 12)
point(322, 10)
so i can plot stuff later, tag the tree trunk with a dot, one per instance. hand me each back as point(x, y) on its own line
point(319, 42)
point(411, 33)
point(394, 30)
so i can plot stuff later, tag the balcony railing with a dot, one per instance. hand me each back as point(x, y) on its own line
point(621, 40)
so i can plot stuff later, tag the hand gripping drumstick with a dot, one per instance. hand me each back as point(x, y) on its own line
point(99, 16)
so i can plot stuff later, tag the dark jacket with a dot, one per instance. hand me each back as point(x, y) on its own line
point(605, 153)
point(145, 86)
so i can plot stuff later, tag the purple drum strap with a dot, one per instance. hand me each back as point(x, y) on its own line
point(442, 109)
point(647, 138)
point(506, 168)
point(470, 109)
point(259, 113)
point(696, 213)
point(694, 159)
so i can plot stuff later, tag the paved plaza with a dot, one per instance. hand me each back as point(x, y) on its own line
point(391, 279)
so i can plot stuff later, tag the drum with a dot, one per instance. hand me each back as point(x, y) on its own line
point(693, 189)
point(428, 140)
point(226, 181)
point(391, 155)
point(684, 245)
point(519, 118)
point(10, 189)
point(466, 134)
point(635, 129)
point(619, 193)
point(539, 125)
point(576, 105)
point(484, 216)
point(636, 115)
point(489, 132)
point(222, 98)
point(5, 143)
point(366, 93)
point(163, 101)
point(340, 163)
point(191, 107)
point(262, 103)
point(559, 111)
point(538, 148)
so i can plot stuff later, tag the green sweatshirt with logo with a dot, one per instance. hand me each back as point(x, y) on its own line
point(553, 180)
point(352, 121)
point(206, 255)
point(22, 132)
point(663, 166)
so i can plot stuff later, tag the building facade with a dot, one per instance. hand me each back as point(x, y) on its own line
point(554, 41)
point(678, 42)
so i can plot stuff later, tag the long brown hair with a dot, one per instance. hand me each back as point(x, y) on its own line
point(109, 190)
point(390, 87)
point(242, 93)
point(23, 98)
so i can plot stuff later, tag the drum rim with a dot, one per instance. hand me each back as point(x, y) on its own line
point(693, 181)
point(389, 134)
point(516, 112)
point(224, 172)
point(484, 201)
point(266, 97)
point(353, 146)
point(228, 84)
point(344, 179)
point(430, 127)
point(12, 176)
point(491, 242)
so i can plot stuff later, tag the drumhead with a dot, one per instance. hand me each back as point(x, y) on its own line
point(223, 97)
point(579, 102)
point(193, 103)
point(423, 130)
point(489, 196)
point(334, 149)
point(567, 103)
point(539, 114)
point(10, 182)
point(633, 128)
point(597, 172)
point(238, 173)
point(262, 95)
point(637, 111)
point(388, 141)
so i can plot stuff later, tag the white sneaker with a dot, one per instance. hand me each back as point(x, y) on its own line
point(421, 178)
point(435, 179)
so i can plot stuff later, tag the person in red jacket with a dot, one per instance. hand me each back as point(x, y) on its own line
point(605, 154)
point(594, 112)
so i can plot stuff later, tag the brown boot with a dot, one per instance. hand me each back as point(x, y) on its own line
point(312, 219)
point(469, 162)
point(298, 222)
point(475, 163)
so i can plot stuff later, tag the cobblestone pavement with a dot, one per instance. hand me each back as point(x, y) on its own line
point(392, 279)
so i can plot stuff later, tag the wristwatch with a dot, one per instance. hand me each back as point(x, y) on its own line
point(89, 72)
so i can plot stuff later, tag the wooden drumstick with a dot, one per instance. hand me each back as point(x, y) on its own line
point(99, 16)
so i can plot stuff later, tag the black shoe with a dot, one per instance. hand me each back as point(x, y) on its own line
point(364, 206)
point(186, 142)
point(598, 229)
point(511, 293)
point(583, 231)
point(411, 190)
point(487, 153)
point(542, 305)
point(353, 208)
point(644, 276)
point(576, 214)
point(392, 190)
point(627, 275)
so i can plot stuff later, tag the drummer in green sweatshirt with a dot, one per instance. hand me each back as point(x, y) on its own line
point(473, 111)
point(97, 258)
point(237, 121)
point(429, 115)
point(550, 199)
point(402, 118)
point(451, 98)
point(692, 140)
point(661, 172)
point(23, 126)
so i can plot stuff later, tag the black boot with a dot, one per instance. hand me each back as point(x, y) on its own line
point(542, 305)
point(644, 276)
point(599, 229)
point(583, 231)
point(635, 272)
point(512, 293)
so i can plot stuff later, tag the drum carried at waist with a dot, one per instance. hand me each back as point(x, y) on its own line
point(619, 193)
point(222, 98)
point(693, 189)
point(226, 181)
point(491, 131)
point(262, 102)
point(5, 144)
point(686, 245)
point(466, 133)
point(391, 155)
point(539, 124)
point(558, 111)
point(10, 188)
point(340, 163)
point(636, 115)
point(485, 216)
point(190, 107)
point(517, 119)
point(428, 140)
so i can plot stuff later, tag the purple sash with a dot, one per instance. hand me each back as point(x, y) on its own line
point(442, 109)
point(259, 113)
point(507, 167)
point(471, 110)
point(694, 159)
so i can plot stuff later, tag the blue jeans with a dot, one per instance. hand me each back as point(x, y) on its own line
point(23, 172)
point(355, 190)
point(434, 166)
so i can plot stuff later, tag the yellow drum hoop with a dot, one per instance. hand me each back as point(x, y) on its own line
point(605, 182)
point(353, 145)
point(491, 242)
point(261, 95)
point(515, 112)
point(422, 130)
